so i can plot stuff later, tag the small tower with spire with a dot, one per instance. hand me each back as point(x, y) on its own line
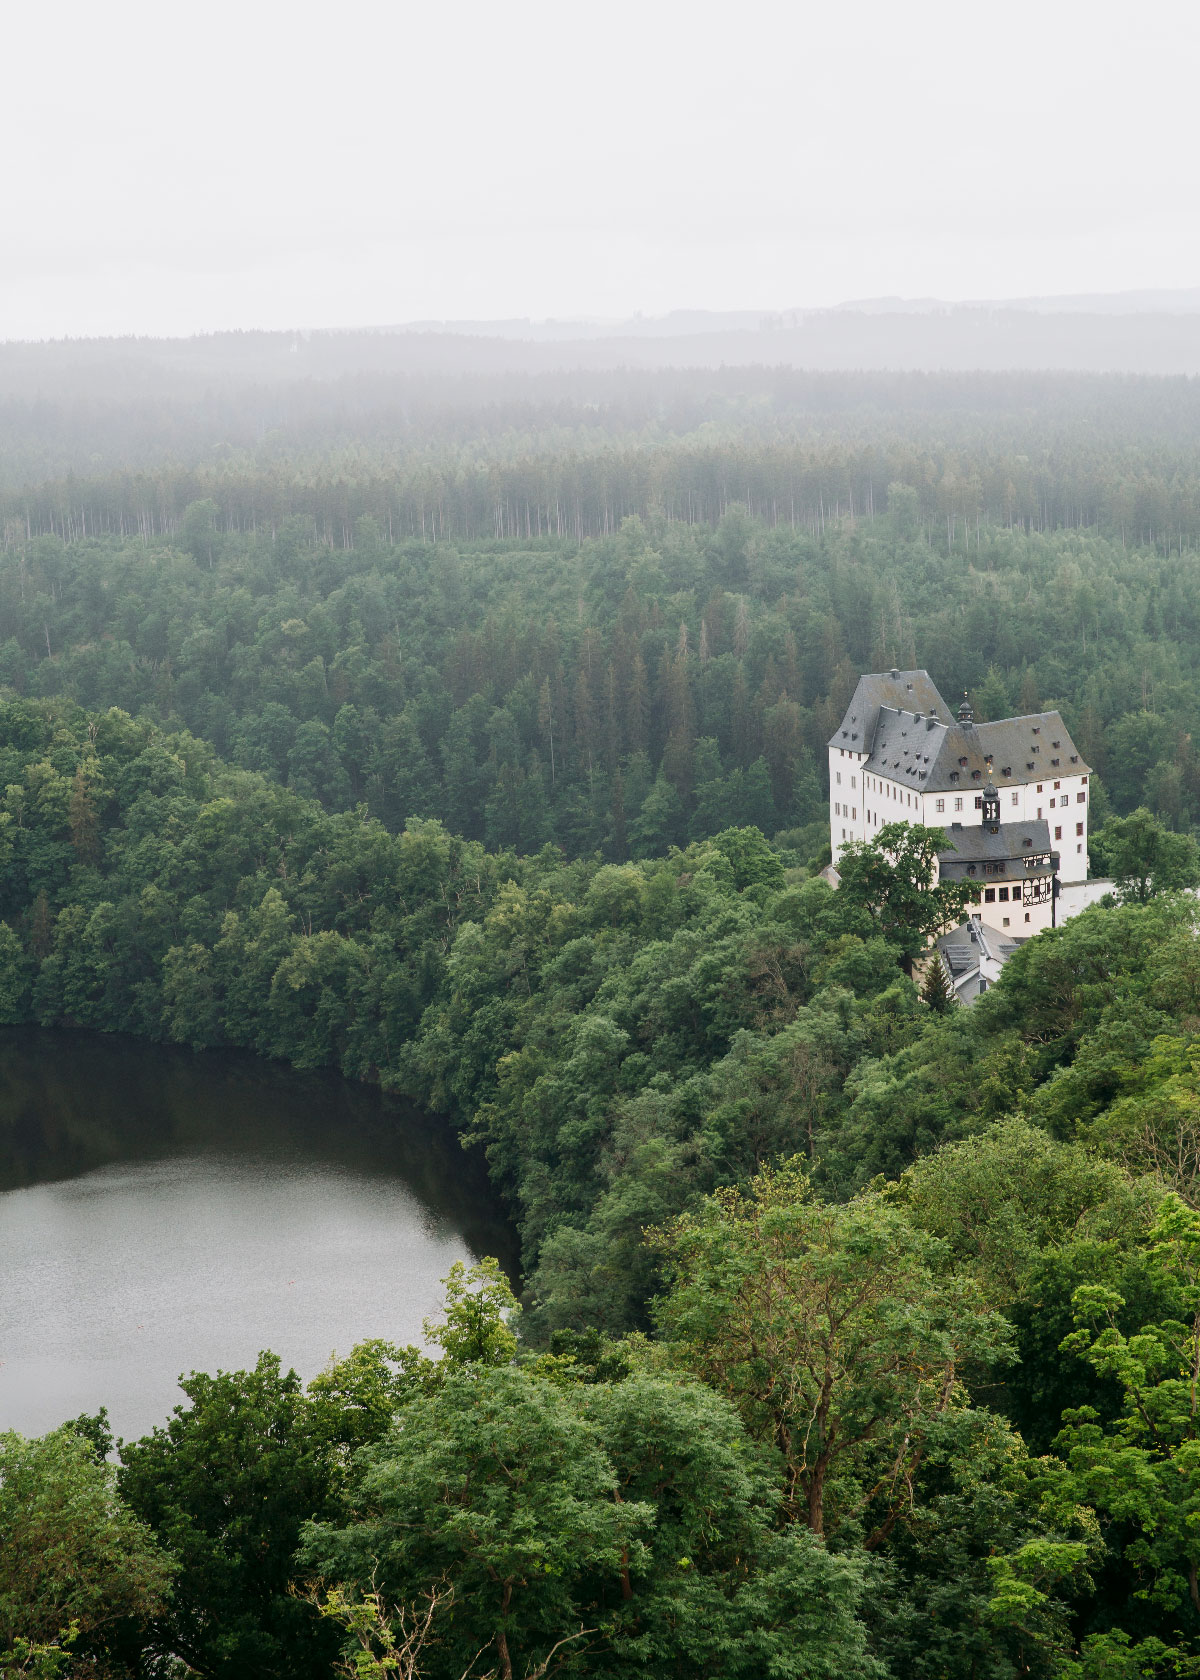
point(966, 715)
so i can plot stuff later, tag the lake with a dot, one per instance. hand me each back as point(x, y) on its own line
point(162, 1212)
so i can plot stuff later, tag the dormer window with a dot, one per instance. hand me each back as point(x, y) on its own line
point(1056, 743)
point(1029, 764)
point(1006, 769)
point(1035, 747)
point(963, 763)
point(1056, 761)
point(1037, 729)
point(975, 775)
point(1074, 758)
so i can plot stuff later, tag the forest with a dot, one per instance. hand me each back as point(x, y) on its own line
point(857, 1334)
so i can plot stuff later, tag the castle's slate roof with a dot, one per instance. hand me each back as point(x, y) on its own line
point(913, 691)
point(915, 742)
point(1011, 844)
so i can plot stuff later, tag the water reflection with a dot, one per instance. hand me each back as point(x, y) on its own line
point(163, 1212)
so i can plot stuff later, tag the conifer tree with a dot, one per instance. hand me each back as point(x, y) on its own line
point(936, 990)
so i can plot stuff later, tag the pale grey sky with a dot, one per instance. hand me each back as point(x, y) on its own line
point(172, 169)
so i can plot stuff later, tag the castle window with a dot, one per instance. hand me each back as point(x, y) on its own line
point(1016, 798)
point(1058, 833)
point(979, 802)
point(1057, 785)
point(1081, 798)
point(989, 895)
point(939, 804)
point(1084, 779)
point(838, 774)
point(1026, 915)
point(837, 807)
point(1079, 828)
point(1003, 895)
point(1039, 787)
point(958, 804)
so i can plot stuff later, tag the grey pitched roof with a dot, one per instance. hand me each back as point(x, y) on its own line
point(933, 757)
point(1002, 843)
point(901, 721)
point(963, 948)
point(914, 691)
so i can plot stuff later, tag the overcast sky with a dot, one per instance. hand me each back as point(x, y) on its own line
point(172, 168)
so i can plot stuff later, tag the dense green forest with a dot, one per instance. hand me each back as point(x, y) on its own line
point(624, 694)
point(801, 1251)
point(121, 447)
point(857, 1333)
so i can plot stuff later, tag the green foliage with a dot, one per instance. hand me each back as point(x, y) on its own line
point(1142, 1471)
point(620, 1528)
point(1143, 858)
point(226, 1485)
point(477, 1316)
point(76, 1562)
point(836, 1333)
point(894, 878)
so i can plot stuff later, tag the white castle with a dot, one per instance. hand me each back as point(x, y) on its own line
point(1012, 796)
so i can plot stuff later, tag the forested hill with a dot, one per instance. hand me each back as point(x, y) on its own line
point(114, 442)
point(860, 1331)
point(625, 694)
point(687, 1073)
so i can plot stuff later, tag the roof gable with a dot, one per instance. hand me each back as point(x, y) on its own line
point(913, 691)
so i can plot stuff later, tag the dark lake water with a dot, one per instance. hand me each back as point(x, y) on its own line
point(162, 1212)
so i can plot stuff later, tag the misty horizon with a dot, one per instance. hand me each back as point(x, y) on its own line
point(460, 164)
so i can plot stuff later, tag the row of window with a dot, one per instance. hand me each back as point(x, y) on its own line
point(939, 806)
